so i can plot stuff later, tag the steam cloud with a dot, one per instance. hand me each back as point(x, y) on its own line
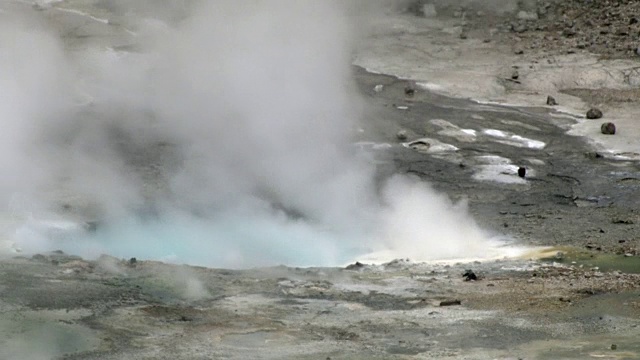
point(223, 140)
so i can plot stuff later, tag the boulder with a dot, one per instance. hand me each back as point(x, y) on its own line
point(594, 113)
point(608, 128)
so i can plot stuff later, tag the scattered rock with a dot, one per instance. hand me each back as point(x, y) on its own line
point(522, 172)
point(608, 128)
point(450, 302)
point(469, 275)
point(402, 135)
point(594, 113)
point(551, 101)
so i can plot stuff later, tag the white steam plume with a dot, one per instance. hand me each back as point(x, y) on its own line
point(224, 141)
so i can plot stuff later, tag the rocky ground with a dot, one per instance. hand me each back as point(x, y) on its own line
point(579, 198)
point(60, 306)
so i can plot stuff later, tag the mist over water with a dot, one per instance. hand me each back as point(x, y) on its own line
point(223, 140)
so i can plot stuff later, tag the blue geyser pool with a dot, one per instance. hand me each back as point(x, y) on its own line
point(225, 242)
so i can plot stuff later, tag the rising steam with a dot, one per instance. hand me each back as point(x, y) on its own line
point(223, 139)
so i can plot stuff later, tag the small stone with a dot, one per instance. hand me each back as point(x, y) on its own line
point(463, 36)
point(608, 128)
point(409, 91)
point(515, 75)
point(614, 346)
point(633, 20)
point(378, 88)
point(133, 261)
point(594, 113)
point(469, 275)
point(628, 255)
point(522, 172)
point(450, 302)
point(519, 52)
point(551, 101)
point(402, 135)
point(623, 221)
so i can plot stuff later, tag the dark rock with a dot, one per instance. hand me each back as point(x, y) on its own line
point(515, 75)
point(522, 172)
point(614, 346)
point(469, 275)
point(622, 221)
point(419, 145)
point(356, 266)
point(594, 113)
point(450, 302)
point(608, 128)
point(551, 101)
point(133, 261)
point(633, 20)
point(409, 91)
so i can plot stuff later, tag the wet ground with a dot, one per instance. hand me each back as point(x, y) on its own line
point(570, 194)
